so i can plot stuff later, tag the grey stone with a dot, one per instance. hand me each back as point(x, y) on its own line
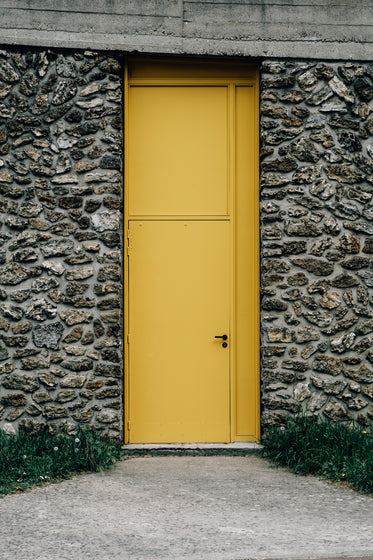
point(296, 365)
point(306, 334)
point(368, 391)
point(79, 274)
point(320, 318)
point(34, 362)
point(40, 105)
point(73, 380)
point(67, 395)
point(302, 228)
point(362, 227)
point(350, 141)
point(322, 189)
point(367, 276)
point(82, 364)
point(64, 91)
point(356, 263)
point(316, 401)
point(7, 367)
point(47, 336)
point(53, 412)
point(344, 280)
point(342, 343)
point(364, 327)
point(107, 416)
point(364, 88)
point(320, 246)
point(40, 310)
point(341, 90)
point(279, 334)
point(13, 399)
point(113, 272)
point(316, 266)
point(305, 175)
point(103, 221)
point(362, 375)
point(41, 397)
point(348, 243)
point(65, 67)
point(53, 267)
point(29, 83)
point(83, 416)
point(73, 317)
point(344, 173)
point(347, 210)
point(329, 385)
point(336, 411)
point(7, 72)
point(275, 137)
point(339, 121)
point(11, 311)
point(33, 410)
point(109, 370)
point(319, 96)
point(13, 273)
point(47, 379)
point(363, 344)
point(20, 382)
point(334, 107)
point(315, 121)
point(44, 284)
point(327, 364)
point(304, 150)
point(330, 300)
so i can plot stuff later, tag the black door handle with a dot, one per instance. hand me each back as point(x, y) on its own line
point(223, 336)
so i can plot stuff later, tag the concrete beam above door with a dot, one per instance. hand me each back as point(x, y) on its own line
point(338, 29)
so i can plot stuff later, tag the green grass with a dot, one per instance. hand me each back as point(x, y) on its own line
point(336, 451)
point(28, 460)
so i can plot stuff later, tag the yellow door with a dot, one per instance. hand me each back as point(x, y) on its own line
point(192, 242)
point(179, 282)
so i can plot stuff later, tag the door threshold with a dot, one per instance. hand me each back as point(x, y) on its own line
point(238, 448)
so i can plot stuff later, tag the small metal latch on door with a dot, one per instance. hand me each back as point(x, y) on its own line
point(224, 337)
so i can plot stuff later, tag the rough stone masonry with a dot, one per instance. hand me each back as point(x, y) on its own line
point(60, 254)
point(317, 245)
point(60, 243)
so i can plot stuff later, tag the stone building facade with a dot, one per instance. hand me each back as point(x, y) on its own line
point(317, 212)
point(61, 261)
point(61, 204)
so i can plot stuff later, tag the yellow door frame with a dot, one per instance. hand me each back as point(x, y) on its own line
point(167, 72)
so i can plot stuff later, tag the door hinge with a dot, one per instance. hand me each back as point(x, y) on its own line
point(129, 426)
point(128, 242)
point(128, 339)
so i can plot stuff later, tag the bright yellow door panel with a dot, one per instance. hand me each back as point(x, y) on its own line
point(246, 271)
point(192, 213)
point(179, 284)
point(178, 150)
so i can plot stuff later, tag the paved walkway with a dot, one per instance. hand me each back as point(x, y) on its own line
point(194, 508)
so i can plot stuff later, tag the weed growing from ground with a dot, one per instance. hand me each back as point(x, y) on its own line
point(28, 460)
point(336, 451)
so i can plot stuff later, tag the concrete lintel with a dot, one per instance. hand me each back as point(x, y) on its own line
point(175, 45)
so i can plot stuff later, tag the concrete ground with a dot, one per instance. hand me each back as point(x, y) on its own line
point(195, 508)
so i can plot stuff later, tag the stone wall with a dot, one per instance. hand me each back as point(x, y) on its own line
point(60, 241)
point(317, 245)
point(60, 222)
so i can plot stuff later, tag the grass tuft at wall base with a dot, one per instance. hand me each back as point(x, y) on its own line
point(336, 451)
point(28, 460)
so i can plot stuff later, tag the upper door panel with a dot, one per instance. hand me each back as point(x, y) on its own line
point(178, 151)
